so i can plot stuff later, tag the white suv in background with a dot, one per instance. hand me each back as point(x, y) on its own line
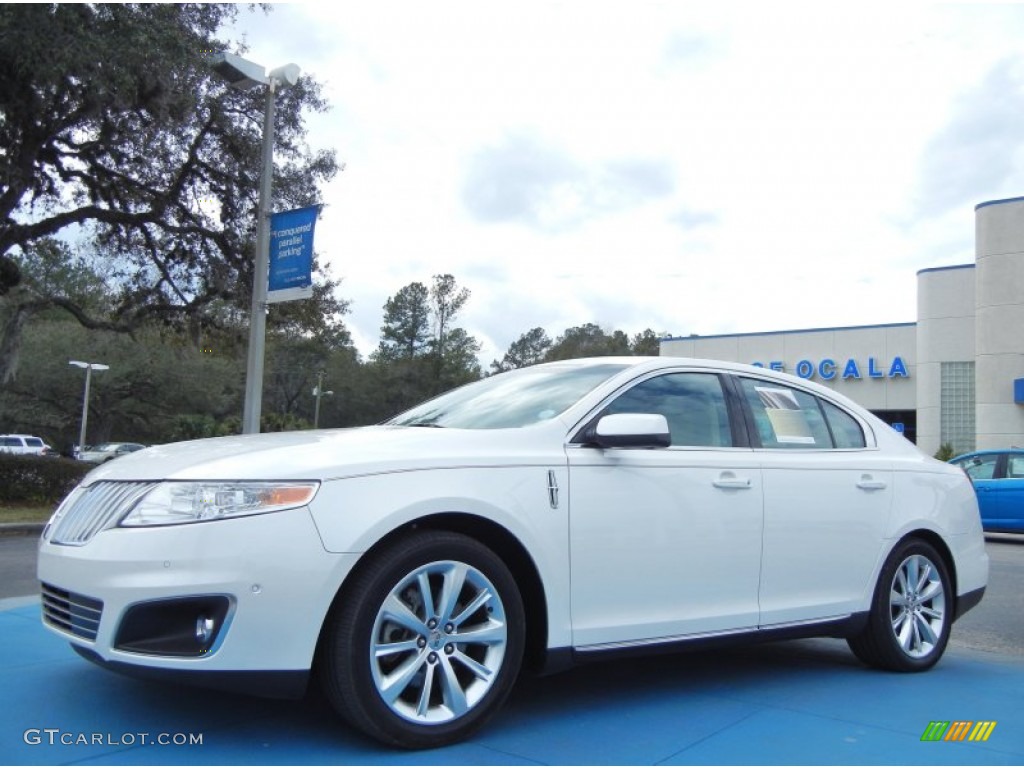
point(27, 444)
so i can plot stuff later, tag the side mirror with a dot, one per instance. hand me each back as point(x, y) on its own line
point(631, 430)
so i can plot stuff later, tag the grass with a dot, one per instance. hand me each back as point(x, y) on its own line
point(26, 513)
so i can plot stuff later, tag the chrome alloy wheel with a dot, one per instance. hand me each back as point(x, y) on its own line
point(438, 642)
point(917, 606)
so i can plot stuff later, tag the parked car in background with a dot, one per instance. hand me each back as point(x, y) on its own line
point(998, 477)
point(97, 454)
point(25, 444)
point(543, 517)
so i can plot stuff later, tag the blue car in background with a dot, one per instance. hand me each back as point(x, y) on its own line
point(998, 478)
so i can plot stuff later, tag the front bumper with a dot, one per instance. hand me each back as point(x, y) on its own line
point(271, 571)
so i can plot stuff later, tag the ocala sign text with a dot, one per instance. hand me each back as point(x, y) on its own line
point(829, 369)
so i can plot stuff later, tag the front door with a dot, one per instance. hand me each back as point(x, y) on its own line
point(665, 543)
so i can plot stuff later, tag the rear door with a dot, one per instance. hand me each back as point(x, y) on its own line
point(827, 497)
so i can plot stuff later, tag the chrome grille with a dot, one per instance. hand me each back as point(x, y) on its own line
point(74, 613)
point(91, 510)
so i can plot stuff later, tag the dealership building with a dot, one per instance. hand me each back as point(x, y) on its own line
point(955, 376)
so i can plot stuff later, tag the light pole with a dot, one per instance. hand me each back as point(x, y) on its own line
point(318, 390)
point(89, 368)
point(244, 74)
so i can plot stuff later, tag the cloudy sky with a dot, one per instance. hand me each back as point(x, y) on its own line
point(688, 167)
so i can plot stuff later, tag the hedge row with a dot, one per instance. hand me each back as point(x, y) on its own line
point(38, 479)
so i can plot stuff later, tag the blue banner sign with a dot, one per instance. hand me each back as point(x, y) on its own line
point(291, 254)
point(829, 369)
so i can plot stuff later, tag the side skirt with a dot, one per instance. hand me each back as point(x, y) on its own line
point(560, 659)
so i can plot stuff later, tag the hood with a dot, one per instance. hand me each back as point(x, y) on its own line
point(335, 453)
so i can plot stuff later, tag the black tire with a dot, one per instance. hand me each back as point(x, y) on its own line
point(452, 659)
point(911, 611)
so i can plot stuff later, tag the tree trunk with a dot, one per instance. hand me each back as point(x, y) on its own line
point(10, 341)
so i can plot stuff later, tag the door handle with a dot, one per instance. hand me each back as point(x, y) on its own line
point(868, 483)
point(731, 481)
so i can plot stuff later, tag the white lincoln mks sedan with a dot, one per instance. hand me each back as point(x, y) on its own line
point(540, 518)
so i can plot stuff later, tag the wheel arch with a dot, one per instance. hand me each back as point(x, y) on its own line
point(504, 544)
point(936, 541)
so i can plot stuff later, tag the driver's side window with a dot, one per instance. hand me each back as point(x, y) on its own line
point(692, 403)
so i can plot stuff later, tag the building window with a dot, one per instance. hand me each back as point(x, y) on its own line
point(956, 407)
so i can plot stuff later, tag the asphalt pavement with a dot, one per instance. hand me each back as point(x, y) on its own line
point(18, 554)
point(794, 703)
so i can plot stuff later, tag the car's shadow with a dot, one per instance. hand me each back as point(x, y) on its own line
point(237, 727)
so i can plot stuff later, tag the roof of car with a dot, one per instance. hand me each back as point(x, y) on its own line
point(988, 452)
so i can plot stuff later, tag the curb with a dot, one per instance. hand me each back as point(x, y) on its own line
point(21, 529)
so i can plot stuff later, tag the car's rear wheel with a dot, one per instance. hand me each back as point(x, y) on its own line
point(424, 645)
point(912, 611)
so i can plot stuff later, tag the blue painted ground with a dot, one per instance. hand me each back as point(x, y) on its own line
point(797, 703)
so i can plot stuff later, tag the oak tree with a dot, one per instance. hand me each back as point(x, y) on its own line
point(116, 133)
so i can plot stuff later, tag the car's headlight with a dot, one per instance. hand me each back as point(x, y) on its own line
point(173, 503)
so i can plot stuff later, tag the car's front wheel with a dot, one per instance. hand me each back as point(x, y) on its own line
point(912, 611)
point(424, 645)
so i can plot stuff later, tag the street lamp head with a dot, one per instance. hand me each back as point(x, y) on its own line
point(93, 366)
point(240, 73)
point(286, 76)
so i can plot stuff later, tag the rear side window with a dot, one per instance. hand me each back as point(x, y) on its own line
point(846, 430)
point(12, 442)
point(793, 419)
point(1015, 466)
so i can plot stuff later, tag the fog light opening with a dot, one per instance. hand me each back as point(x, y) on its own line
point(180, 626)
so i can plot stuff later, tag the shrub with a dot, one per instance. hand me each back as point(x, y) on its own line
point(945, 452)
point(38, 479)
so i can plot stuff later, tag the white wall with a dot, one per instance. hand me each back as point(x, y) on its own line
point(945, 334)
point(999, 327)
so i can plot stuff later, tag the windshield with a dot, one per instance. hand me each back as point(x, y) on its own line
point(514, 399)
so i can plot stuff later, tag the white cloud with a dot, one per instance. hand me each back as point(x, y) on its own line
point(704, 168)
point(523, 181)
